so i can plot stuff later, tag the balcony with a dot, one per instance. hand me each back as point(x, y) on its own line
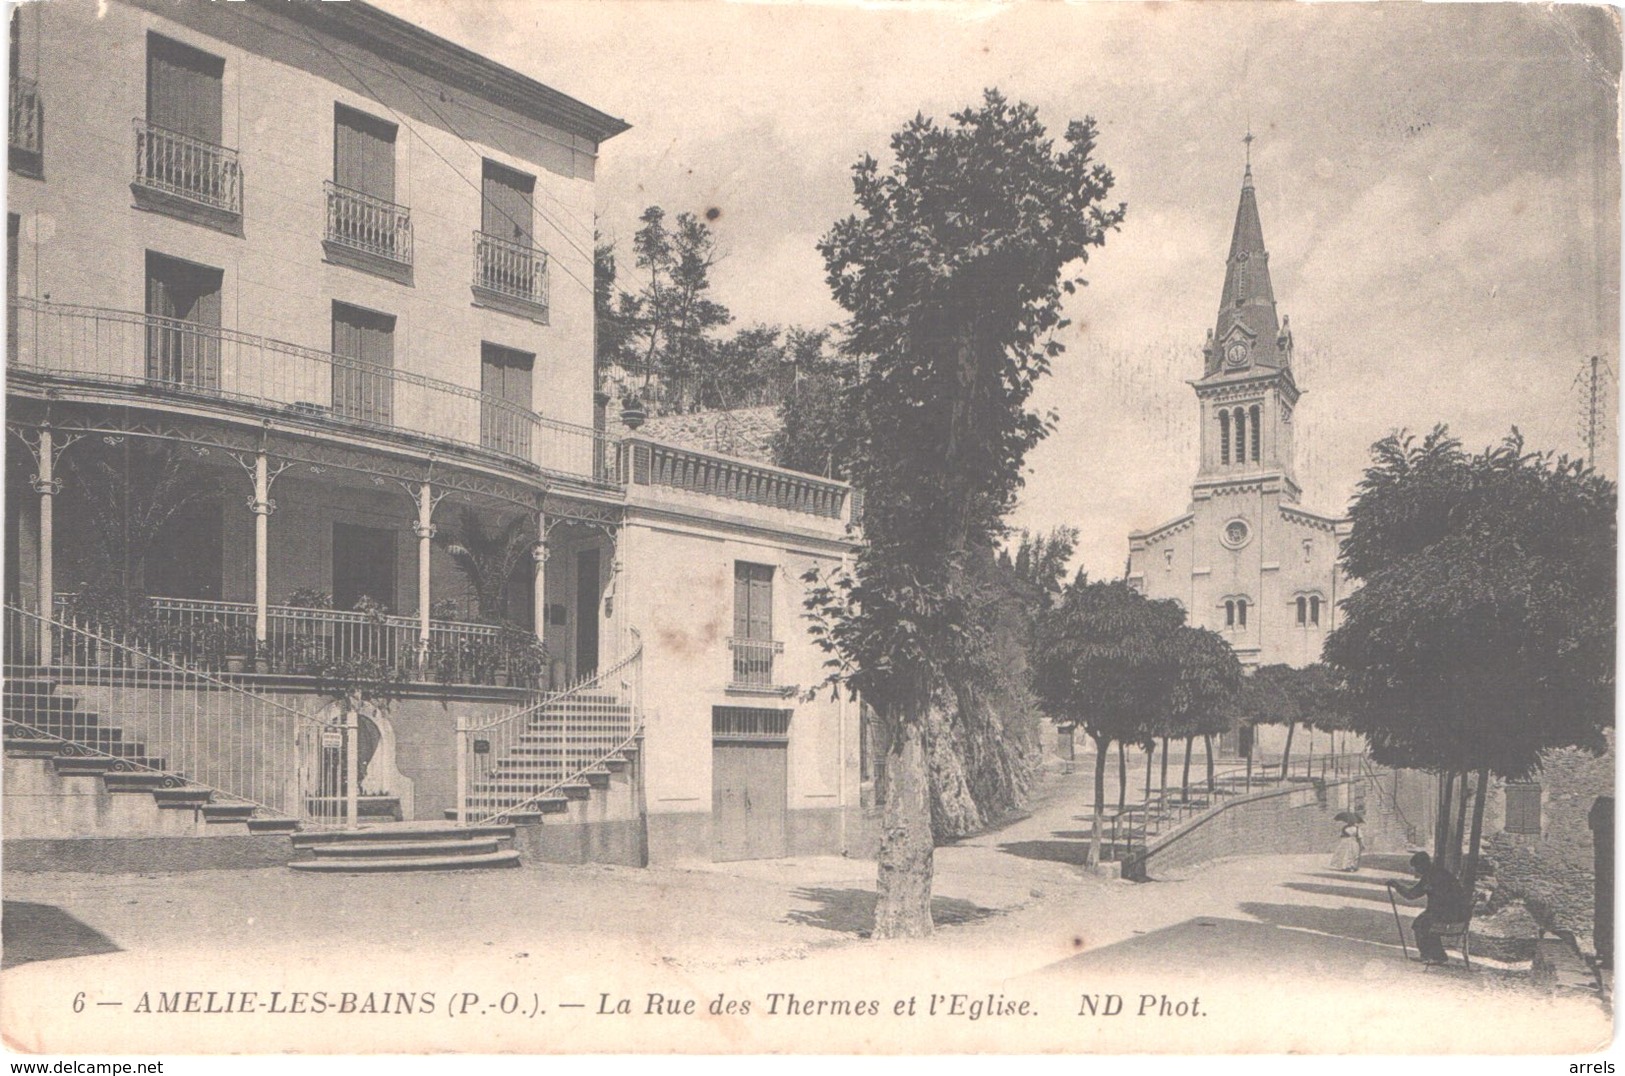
point(511, 277)
point(368, 233)
point(753, 667)
point(26, 135)
point(186, 362)
point(648, 463)
point(188, 178)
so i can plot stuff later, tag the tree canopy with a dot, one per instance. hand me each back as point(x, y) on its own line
point(1483, 633)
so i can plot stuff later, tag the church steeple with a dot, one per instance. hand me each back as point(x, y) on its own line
point(1248, 335)
point(1246, 392)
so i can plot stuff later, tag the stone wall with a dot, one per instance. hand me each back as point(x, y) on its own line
point(1296, 818)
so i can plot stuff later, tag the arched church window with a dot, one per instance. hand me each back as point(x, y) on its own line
point(1255, 432)
point(1224, 437)
point(1303, 611)
point(1241, 612)
point(1241, 435)
point(1229, 614)
point(1314, 611)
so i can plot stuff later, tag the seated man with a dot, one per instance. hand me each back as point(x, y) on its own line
point(1447, 905)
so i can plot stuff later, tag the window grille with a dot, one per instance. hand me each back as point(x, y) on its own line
point(745, 723)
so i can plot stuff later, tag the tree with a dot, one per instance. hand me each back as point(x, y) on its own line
point(952, 271)
point(488, 557)
point(1106, 658)
point(1483, 633)
point(1204, 699)
point(669, 318)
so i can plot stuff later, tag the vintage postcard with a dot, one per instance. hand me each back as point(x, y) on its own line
point(800, 528)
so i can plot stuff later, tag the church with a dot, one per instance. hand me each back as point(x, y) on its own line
point(1246, 559)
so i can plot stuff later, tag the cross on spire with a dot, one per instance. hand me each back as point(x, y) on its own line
point(1249, 140)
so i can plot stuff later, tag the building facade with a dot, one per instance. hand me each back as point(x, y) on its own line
point(301, 307)
point(1246, 559)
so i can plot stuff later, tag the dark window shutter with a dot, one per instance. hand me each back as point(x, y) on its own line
point(183, 89)
point(363, 153)
point(507, 209)
point(1523, 808)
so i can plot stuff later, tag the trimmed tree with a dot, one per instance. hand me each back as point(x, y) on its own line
point(1106, 658)
point(953, 271)
point(1483, 633)
point(1205, 697)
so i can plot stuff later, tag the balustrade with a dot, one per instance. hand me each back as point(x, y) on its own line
point(369, 224)
point(187, 167)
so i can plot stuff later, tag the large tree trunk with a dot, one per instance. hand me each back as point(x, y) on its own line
point(1185, 778)
point(1122, 777)
point(903, 887)
point(1101, 746)
point(1461, 826)
point(1441, 816)
point(1207, 752)
point(1471, 874)
point(1162, 781)
point(1286, 754)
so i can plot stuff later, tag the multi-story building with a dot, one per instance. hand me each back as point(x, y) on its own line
point(300, 358)
point(1246, 559)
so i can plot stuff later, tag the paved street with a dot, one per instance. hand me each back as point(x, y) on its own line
point(1278, 952)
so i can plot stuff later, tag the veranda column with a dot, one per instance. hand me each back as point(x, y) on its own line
point(424, 529)
point(262, 506)
point(539, 553)
point(47, 486)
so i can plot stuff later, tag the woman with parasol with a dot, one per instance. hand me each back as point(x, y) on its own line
point(1346, 856)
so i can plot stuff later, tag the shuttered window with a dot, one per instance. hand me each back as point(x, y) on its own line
point(753, 601)
point(363, 153)
point(507, 209)
point(505, 374)
point(183, 323)
point(1523, 808)
point(363, 347)
point(183, 89)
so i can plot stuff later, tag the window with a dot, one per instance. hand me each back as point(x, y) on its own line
point(1303, 611)
point(1314, 610)
point(181, 167)
point(1224, 437)
point(749, 723)
point(507, 207)
point(505, 410)
point(363, 565)
point(363, 153)
point(183, 89)
point(1230, 614)
point(1241, 436)
point(361, 212)
point(1523, 808)
point(26, 142)
point(363, 356)
point(1255, 426)
point(183, 323)
point(752, 643)
point(1241, 612)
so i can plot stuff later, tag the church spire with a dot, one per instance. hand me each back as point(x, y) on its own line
point(1248, 335)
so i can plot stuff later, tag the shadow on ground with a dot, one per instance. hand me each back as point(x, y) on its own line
point(1371, 893)
point(1359, 924)
point(852, 911)
point(34, 932)
point(1074, 852)
point(1363, 878)
point(1241, 947)
point(1398, 862)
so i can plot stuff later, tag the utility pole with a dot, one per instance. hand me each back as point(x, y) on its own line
point(1592, 399)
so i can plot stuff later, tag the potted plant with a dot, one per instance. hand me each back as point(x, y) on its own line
point(633, 411)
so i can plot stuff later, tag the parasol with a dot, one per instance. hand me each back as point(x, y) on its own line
point(1349, 816)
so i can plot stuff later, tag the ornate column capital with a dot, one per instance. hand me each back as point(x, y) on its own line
point(260, 508)
point(424, 530)
point(42, 486)
point(539, 552)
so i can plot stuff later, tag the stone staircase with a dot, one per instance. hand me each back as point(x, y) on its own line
point(547, 768)
point(46, 724)
point(409, 846)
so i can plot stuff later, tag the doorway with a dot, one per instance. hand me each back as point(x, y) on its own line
point(750, 766)
point(589, 591)
point(363, 564)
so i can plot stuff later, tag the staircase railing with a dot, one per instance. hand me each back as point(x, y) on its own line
point(201, 729)
point(507, 765)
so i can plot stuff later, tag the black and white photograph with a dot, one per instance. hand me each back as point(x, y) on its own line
point(729, 527)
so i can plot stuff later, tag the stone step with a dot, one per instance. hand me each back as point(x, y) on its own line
point(407, 849)
point(273, 825)
point(223, 813)
point(399, 831)
point(364, 865)
point(187, 797)
point(135, 780)
point(538, 807)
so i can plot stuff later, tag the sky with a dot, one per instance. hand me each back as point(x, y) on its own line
point(1438, 184)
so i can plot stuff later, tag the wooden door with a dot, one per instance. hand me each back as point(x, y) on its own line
point(588, 593)
point(749, 791)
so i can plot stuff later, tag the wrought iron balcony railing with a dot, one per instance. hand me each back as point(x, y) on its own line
point(369, 224)
point(169, 357)
point(512, 270)
point(186, 167)
point(753, 664)
point(27, 129)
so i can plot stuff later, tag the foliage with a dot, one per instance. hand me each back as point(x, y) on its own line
point(952, 271)
point(310, 598)
point(1204, 698)
point(1483, 633)
point(488, 556)
point(816, 433)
